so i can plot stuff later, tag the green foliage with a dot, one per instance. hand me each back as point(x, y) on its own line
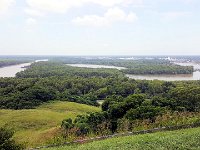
point(46, 81)
point(169, 140)
point(140, 66)
point(31, 92)
point(6, 141)
point(164, 120)
point(187, 97)
point(123, 98)
point(48, 69)
point(147, 106)
point(159, 69)
point(143, 112)
point(34, 127)
point(67, 124)
point(9, 62)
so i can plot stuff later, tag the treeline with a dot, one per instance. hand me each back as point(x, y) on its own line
point(7, 62)
point(159, 69)
point(28, 93)
point(140, 66)
point(20, 93)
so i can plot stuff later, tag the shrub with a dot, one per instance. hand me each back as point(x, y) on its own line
point(6, 141)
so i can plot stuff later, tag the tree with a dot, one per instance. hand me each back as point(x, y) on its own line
point(6, 141)
point(67, 125)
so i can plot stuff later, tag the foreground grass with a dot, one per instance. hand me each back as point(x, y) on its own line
point(180, 140)
point(36, 126)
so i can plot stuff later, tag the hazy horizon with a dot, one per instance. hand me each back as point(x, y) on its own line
point(100, 28)
point(37, 55)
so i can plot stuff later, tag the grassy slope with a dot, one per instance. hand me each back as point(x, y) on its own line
point(170, 140)
point(36, 126)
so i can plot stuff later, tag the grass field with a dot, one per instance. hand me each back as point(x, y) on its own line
point(188, 139)
point(36, 126)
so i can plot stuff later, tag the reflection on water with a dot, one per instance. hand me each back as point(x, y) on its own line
point(179, 77)
point(195, 65)
point(10, 71)
point(95, 66)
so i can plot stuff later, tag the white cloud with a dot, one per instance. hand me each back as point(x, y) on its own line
point(31, 21)
point(31, 25)
point(5, 4)
point(111, 16)
point(170, 16)
point(62, 6)
point(33, 12)
point(106, 3)
point(188, 1)
point(91, 20)
point(56, 6)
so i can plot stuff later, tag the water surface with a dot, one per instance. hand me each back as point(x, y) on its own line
point(95, 66)
point(164, 77)
point(178, 77)
point(10, 71)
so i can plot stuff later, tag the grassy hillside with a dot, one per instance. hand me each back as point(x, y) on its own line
point(36, 126)
point(170, 140)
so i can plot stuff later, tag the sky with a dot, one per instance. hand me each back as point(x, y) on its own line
point(99, 27)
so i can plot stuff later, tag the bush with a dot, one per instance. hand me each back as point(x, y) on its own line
point(6, 141)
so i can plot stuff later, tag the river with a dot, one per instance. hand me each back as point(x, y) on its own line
point(178, 77)
point(10, 71)
point(95, 66)
point(164, 77)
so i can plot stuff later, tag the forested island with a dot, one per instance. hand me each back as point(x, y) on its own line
point(135, 66)
point(4, 63)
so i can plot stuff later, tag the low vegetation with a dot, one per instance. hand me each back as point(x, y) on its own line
point(170, 140)
point(37, 126)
